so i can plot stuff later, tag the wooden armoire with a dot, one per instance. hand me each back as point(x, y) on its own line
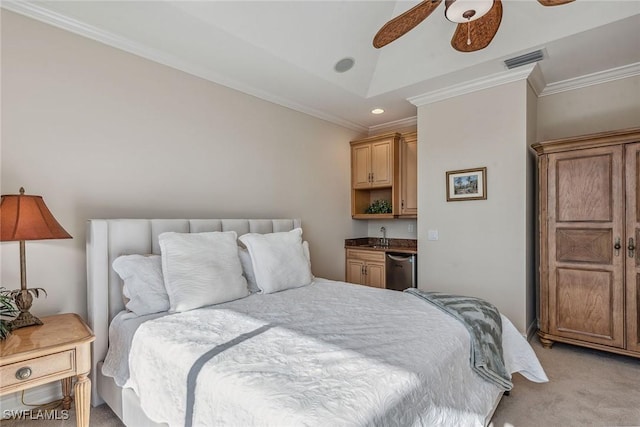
point(589, 217)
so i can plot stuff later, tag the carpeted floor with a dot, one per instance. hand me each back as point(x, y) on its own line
point(586, 388)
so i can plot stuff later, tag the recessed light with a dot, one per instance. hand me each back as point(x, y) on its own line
point(377, 111)
point(345, 64)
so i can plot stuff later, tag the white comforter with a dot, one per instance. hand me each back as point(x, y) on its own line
point(326, 354)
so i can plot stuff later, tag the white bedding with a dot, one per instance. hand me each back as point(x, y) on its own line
point(121, 332)
point(327, 354)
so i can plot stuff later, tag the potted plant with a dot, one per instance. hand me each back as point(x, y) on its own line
point(8, 311)
point(379, 207)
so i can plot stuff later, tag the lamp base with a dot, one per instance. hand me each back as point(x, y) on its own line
point(23, 299)
point(24, 319)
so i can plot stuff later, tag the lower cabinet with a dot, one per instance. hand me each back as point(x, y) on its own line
point(365, 267)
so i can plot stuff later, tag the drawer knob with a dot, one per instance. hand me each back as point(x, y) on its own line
point(23, 373)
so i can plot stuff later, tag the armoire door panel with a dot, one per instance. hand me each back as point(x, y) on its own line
point(632, 171)
point(584, 188)
point(584, 302)
point(584, 245)
point(633, 338)
point(586, 279)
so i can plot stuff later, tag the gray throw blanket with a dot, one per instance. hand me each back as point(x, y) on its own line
point(482, 320)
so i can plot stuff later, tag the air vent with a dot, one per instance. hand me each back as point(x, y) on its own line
point(527, 58)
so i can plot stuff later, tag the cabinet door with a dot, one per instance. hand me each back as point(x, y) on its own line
point(409, 176)
point(361, 166)
point(382, 163)
point(585, 218)
point(355, 271)
point(632, 171)
point(375, 275)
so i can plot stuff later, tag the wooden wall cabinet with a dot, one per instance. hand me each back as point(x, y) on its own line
point(374, 174)
point(365, 267)
point(372, 162)
point(589, 230)
point(385, 167)
point(409, 175)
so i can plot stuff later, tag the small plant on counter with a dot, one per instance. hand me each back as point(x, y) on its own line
point(8, 311)
point(379, 207)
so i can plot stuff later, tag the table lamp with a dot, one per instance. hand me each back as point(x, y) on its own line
point(25, 217)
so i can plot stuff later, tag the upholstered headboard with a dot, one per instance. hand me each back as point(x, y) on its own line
point(107, 239)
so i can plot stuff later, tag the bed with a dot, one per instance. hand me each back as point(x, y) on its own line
point(329, 353)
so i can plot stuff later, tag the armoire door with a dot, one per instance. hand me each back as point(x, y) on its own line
point(632, 160)
point(585, 221)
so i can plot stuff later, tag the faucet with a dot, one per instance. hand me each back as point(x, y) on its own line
point(384, 241)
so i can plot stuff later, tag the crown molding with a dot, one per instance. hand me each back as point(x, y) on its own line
point(592, 79)
point(475, 85)
point(42, 14)
point(394, 125)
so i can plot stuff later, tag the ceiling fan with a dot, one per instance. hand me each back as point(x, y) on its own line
point(478, 21)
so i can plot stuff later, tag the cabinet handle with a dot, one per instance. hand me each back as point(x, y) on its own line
point(23, 373)
point(402, 204)
point(617, 246)
point(362, 270)
point(631, 247)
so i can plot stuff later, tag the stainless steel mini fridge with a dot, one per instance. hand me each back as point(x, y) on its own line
point(401, 271)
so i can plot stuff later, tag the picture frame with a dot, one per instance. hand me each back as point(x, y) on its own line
point(467, 184)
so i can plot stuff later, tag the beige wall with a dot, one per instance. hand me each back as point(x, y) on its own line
point(496, 127)
point(100, 133)
point(603, 107)
point(482, 247)
point(531, 210)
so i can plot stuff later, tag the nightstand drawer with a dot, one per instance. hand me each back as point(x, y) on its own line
point(58, 365)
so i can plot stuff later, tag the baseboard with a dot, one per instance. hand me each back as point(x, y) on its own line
point(36, 396)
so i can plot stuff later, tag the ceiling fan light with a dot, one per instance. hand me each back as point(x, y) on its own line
point(461, 11)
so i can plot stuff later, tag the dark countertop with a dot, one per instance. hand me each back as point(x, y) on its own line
point(407, 246)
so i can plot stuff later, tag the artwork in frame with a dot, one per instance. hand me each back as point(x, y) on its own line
point(467, 184)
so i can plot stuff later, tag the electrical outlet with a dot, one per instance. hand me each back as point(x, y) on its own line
point(412, 228)
point(432, 235)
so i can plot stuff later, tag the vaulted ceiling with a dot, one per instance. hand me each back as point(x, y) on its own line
point(285, 51)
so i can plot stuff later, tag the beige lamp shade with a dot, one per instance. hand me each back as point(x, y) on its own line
point(26, 217)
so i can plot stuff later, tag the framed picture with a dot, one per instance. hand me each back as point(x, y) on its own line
point(467, 184)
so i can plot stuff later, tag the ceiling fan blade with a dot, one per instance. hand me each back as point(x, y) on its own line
point(402, 24)
point(480, 31)
point(553, 2)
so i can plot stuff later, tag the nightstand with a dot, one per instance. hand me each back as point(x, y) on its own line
point(57, 350)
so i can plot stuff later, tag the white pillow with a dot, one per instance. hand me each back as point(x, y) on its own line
point(143, 283)
point(201, 269)
point(247, 270)
point(278, 260)
point(247, 266)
